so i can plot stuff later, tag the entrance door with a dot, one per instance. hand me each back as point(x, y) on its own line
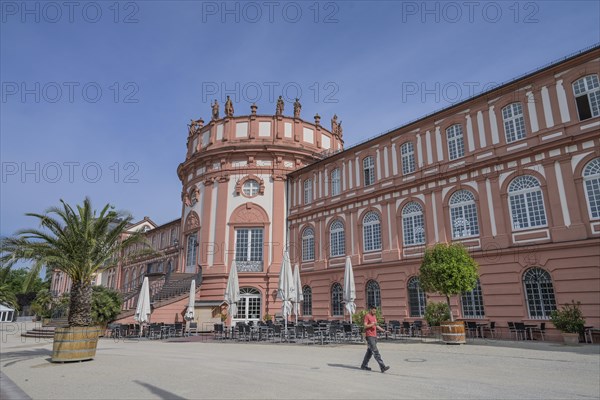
point(248, 306)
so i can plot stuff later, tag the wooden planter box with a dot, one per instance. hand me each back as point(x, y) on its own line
point(75, 343)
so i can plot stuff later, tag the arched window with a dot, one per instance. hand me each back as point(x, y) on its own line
point(373, 294)
point(308, 196)
point(416, 298)
point(337, 308)
point(307, 302)
point(413, 224)
point(463, 214)
point(514, 123)
point(526, 203)
point(456, 144)
point(335, 182)
point(407, 152)
point(369, 170)
point(587, 96)
point(591, 181)
point(371, 232)
point(539, 293)
point(472, 303)
point(337, 239)
point(249, 305)
point(308, 244)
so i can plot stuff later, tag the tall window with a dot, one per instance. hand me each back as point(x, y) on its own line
point(337, 308)
point(472, 303)
point(192, 247)
point(308, 191)
point(416, 298)
point(369, 170)
point(249, 249)
point(308, 244)
point(307, 301)
point(373, 294)
point(539, 293)
point(456, 145)
point(526, 203)
point(587, 96)
point(372, 231)
point(249, 305)
point(591, 181)
point(337, 239)
point(413, 224)
point(463, 214)
point(335, 182)
point(408, 158)
point(514, 123)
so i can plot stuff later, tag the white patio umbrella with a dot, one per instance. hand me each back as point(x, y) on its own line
point(287, 290)
point(190, 313)
point(142, 310)
point(298, 287)
point(349, 288)
point(232, 291)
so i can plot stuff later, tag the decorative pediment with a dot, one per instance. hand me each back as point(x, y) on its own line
point(249, 213)
point(192, 222)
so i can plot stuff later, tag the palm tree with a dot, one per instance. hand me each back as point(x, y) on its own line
point(75, 241)
point(7, 294)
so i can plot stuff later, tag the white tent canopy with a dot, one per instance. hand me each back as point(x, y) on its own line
point(6, 313)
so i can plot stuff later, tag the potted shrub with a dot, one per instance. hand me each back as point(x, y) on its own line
point(569, 320)
point(435, 314)
point(77, 241)
point(448, 269)
point(106, 306)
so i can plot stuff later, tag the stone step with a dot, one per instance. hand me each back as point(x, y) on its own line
point(43, 332)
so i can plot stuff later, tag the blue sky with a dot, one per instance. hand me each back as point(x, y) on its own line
point(96, 98)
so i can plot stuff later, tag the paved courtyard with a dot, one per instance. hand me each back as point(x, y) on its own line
point(196, 369)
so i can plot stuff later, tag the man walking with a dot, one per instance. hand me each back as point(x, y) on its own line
point(371, 329)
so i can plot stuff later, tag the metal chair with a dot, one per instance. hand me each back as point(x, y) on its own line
point(520, 330)
point(472, 328)
point(541, 330)
point(491, 328)
point(192, 328)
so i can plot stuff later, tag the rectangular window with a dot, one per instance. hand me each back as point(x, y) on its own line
point(249, 249)
point(369, 171)
point(335, 182)
point(308, 196)
point(192, 246)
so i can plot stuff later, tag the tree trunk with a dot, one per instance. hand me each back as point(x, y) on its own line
point(449, 308)
point(80, 308)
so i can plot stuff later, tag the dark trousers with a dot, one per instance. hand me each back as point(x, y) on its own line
point(372, 351)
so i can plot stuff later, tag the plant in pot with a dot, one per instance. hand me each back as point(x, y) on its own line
point(77, 241)
point(448, 269)
point(106, 306)
point(569, 320)
point(435, 314)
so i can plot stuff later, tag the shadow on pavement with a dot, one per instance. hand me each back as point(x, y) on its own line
point(344, 366)
point(161, 393)
point(13, 357)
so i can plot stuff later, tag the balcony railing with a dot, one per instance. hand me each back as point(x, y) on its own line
point(249, 266)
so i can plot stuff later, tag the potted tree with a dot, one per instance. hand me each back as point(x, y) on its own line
point(435, 314)
point(106, 306)
point(448, 269)
point(77, 241)
point(569, 320)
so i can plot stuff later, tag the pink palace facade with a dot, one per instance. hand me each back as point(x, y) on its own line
point(514, 174)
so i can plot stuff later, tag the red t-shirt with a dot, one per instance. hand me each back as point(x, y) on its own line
point(369, 319)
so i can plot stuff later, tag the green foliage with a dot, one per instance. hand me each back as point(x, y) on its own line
point(106, 304)
point(436, 313)
point(8, 297)
point(569, 319)
point(42, 304)
point(77, 241)
point(267, 317)
point(448, 269)
point(359, 318)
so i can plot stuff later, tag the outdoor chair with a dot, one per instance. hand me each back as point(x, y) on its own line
point(277, 332)
point(178, 327)
point(192, 328)
point(520, 329)
point(472, 329)
point(394, 328)
point(512, 330)
point(491, 328)
point(418, 328)
point(407, 328)
point(219, 331)
point(541, 330)
point(154, 331)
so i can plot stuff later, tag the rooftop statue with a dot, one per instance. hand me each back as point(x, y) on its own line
point(279, 107)
point(215, 110)
point(334, 124)
point(297, 108)
point(228, 107)
point(195, 126)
